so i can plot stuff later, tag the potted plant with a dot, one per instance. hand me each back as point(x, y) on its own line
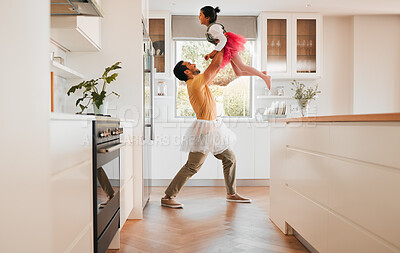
point(94, 94)
point(304, 95)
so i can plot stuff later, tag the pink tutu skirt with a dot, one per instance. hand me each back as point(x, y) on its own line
point(233, 46)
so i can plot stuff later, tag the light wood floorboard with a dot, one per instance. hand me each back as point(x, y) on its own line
point(208, 224)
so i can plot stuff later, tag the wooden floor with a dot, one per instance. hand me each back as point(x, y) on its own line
point(207, 223)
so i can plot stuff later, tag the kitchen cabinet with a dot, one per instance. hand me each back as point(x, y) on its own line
point(166, 154)
point(71, 183)
point(292, 44)
point(126, 197)
point(261, 151)
point(335, 190)
point(76, 33)
point(244, 150)
point(160, 35)
point(251, 152)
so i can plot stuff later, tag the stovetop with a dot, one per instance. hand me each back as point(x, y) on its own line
point(93, 114)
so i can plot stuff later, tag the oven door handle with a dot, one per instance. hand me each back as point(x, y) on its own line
point(111, 149)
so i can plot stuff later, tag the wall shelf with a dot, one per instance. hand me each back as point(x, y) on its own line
point(163, 96)
point(274, 97)
point(64, 72)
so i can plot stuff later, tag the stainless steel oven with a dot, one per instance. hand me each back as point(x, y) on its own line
point(106, 182)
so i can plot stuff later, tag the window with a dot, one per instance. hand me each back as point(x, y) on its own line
point(232, 93)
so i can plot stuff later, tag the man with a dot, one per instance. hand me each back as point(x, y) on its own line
point(207, 134)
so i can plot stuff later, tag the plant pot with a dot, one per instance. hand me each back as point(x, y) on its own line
point(100, 111)
point(303, 104)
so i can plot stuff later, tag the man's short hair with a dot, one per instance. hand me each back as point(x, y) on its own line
point(179, 71)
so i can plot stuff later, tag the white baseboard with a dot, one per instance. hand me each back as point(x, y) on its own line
point(213, 182)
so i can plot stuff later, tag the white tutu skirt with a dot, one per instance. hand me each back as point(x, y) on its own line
point(208, 136)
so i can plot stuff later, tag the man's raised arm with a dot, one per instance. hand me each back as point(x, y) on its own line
point(212, 70)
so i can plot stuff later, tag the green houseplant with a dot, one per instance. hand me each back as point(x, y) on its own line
point(304, 95)
point(94, 94)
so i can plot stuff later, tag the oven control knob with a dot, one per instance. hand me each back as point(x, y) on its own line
point(117, 131)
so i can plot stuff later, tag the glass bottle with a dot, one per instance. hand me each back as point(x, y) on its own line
point(161, 88)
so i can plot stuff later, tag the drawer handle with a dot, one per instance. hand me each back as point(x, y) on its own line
point(111, 149)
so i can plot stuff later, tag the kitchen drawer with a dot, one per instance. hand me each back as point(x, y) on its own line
point(345, 237)
point(308, 174)
point(309, 219)
point(366, 195)
point(71, 195)
point(68, 150)
point(370, 142)
point(308, 136)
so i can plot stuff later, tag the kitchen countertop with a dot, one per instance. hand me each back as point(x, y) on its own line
point(380, 117)
point(83, 117)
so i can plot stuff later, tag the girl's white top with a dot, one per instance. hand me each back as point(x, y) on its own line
point(217, 33)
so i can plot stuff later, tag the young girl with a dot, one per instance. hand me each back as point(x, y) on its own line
point(231, 43)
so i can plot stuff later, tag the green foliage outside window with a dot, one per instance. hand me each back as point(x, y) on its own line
point(227, 88)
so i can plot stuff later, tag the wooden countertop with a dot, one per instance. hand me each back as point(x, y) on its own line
point(381, 117)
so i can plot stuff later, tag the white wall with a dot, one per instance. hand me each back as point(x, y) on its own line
point(25, 110)
point(336, 85)
point(376, 64)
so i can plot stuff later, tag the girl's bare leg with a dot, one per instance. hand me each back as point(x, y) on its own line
point(238, 72)
point(244, 69)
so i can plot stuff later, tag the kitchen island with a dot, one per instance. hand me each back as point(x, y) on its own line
point(335, 181)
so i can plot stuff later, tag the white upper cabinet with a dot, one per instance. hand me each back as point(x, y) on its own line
point(76, 33)
point(275, 43)
point(291, 44)
point(307, 46)
point(160, 35)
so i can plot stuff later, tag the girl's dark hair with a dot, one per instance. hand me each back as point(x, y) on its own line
point(210, 12)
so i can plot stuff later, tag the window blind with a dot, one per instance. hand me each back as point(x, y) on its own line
point(189, 27)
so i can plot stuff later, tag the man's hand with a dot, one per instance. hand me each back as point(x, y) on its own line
point(210, 55)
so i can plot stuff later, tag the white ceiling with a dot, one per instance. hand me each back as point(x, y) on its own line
point(254, 7)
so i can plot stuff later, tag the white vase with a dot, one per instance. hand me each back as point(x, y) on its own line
point(100, 111)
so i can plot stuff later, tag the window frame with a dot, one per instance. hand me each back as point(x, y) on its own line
point(252, 81)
